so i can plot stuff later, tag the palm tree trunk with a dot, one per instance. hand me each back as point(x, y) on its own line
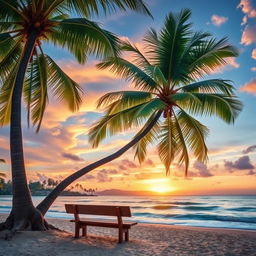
point(23, 212)
point(48, 201)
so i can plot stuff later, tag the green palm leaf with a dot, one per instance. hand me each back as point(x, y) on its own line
point(167, 145)
point(149, 138)
point(87, 8)
point(171, 45)
point(123, 99)
point(123, 120)
point(63, 86)
point(82, 37)
point(194, 134)
point(211, 86)
point(6, 93)
point(10, 54)
point(130, 72)
point(210, 55)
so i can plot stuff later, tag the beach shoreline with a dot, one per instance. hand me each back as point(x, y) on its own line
point(145, 239)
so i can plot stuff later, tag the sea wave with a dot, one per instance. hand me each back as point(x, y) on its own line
point(243, 209)
point(213, 218)
point(201, 208)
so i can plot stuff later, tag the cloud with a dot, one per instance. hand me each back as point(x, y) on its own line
point(88, 73)
point(253, 69)
point(149, 162)
point(254, 54)
point(248, 35)
point(242, 163)
point(202, 170)
point(249, 149)
point(103, 176)
point(244, 20)
point(72, 157)
point(218, 20)
point(247, 8)
point(249, 87)
point(126, 164)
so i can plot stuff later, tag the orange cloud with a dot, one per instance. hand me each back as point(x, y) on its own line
point(218, 20)
point(253, 69)
point(248, 35)
point(85, 73)
point(254, 54)
point(247, 8)
point(249, 87)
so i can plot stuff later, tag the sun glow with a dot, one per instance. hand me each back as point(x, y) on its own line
point(161, 186)
point(161, 189)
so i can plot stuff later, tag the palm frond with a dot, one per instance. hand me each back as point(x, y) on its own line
point(138, 56)
point(123, 120)
point(211, 86)
point(6, 97)
point(172, 42)
point(123, 100)
point(129, 72)
point(152, 43)
point(167, 145)
point(149, 138)
point(10, 10)
point(87, 8)
point(10, 53)
point(194, 134)
point(225, 107)
point(36, 91)
point(82, 37)
point(63, 86)
point(210, 55)
point(181, 149)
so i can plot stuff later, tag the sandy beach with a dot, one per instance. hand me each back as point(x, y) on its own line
point(145, 239)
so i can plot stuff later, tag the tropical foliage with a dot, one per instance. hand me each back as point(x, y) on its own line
point(168, 79)
point(26, 70)
point(50, 21)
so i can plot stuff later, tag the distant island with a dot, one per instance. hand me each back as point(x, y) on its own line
point(43, 188)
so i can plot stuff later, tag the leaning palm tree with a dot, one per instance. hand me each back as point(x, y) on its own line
point(168, 93)
point(25, 25)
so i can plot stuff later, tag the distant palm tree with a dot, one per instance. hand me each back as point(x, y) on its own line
point(2, 174)
point(25, 69)
point(168, 91)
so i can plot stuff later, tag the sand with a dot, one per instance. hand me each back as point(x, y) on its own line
point(145, 239)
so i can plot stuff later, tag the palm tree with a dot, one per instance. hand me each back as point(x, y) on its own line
point(2, 174)
point(168, 92)
point(24, 68)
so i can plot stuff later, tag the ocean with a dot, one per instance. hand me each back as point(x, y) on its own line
point(237, 212)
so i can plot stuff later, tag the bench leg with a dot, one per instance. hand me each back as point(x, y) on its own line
point(120, 235)
point(84, 231)
point(77, 229)
point(126, 234)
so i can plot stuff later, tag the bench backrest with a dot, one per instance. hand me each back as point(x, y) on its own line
point(105, 210)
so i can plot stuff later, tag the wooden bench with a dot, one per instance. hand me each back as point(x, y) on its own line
point(103, 210)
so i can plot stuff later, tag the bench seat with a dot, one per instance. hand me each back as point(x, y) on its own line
point(104, 223)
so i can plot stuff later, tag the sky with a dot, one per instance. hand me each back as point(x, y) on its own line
point(61, 147)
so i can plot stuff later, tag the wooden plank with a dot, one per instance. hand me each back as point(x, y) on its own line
point(104, 210)
point(104, 223)
point(70, 208)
